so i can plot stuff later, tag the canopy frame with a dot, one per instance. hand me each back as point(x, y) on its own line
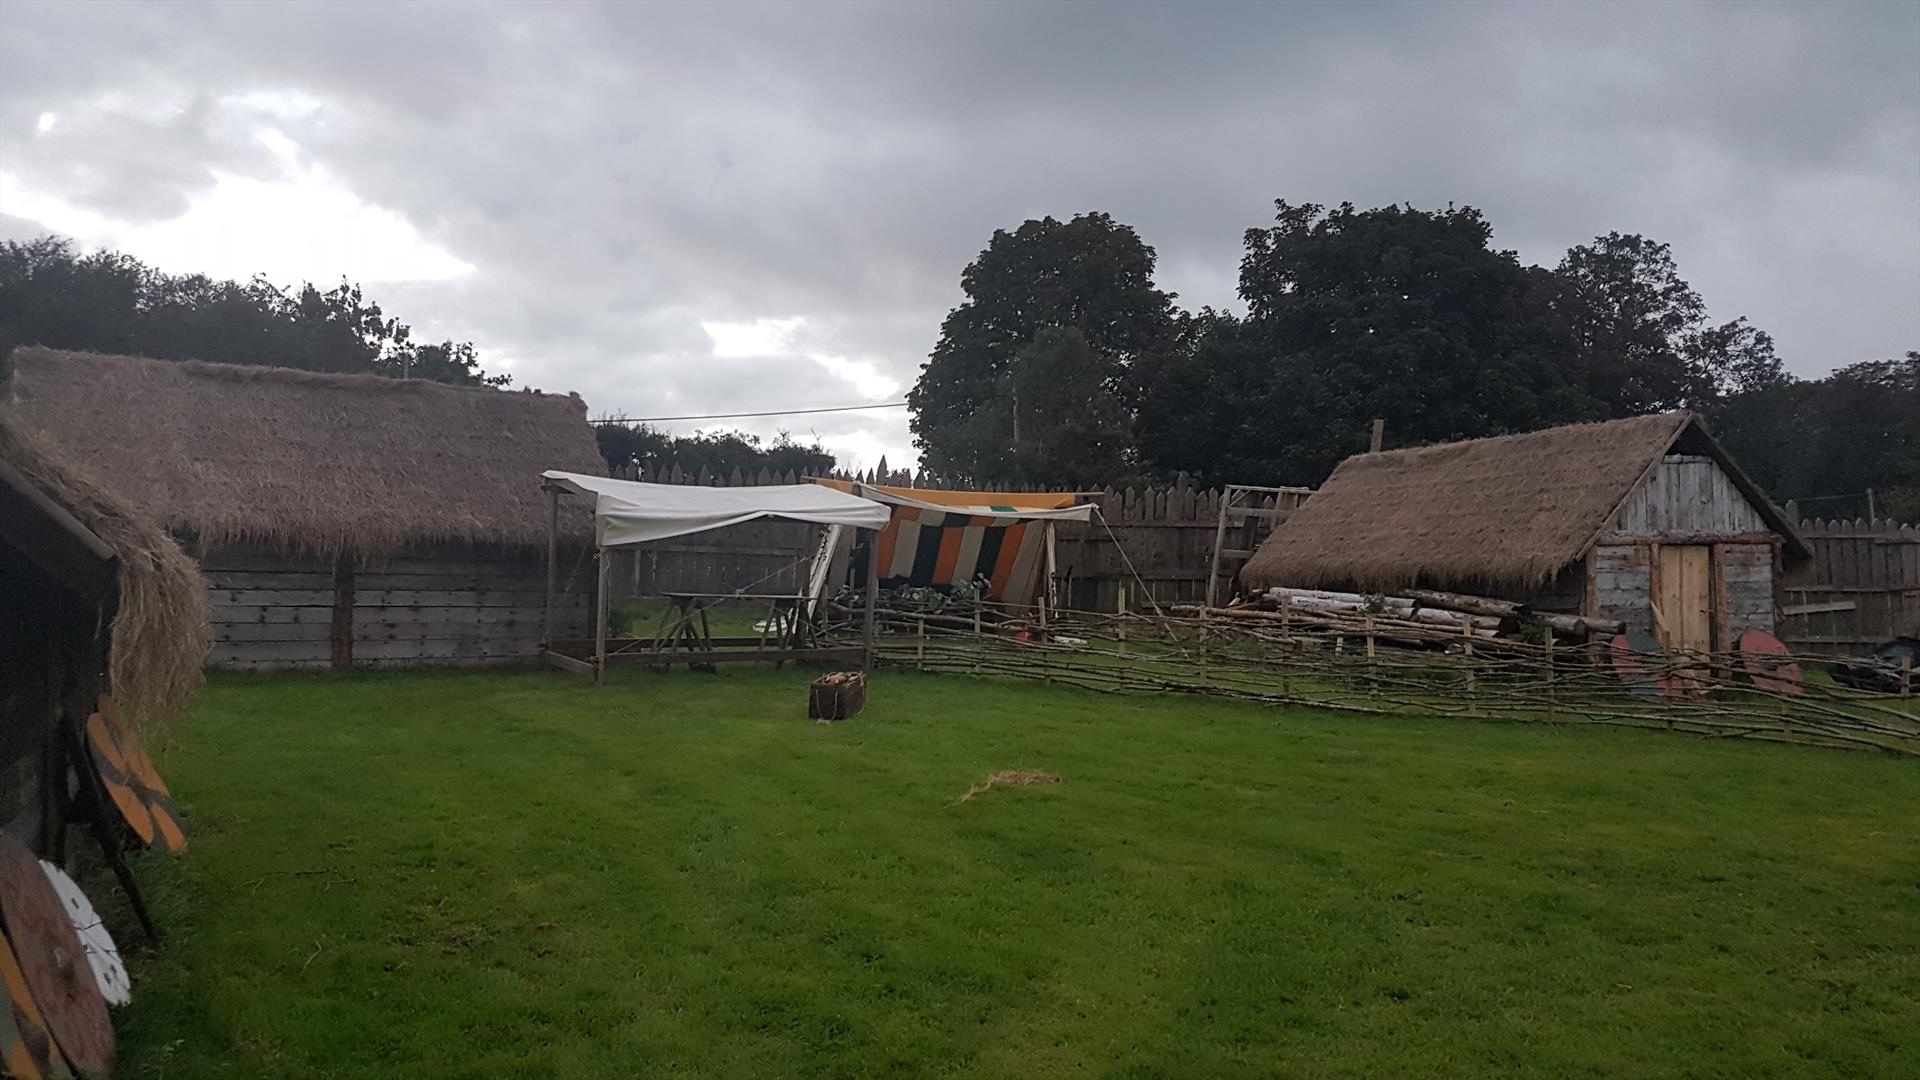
point(557, 485)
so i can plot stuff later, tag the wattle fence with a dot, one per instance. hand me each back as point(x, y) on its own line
point(1861, 588)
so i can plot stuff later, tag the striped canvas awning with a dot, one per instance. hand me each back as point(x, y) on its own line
point(943, 539)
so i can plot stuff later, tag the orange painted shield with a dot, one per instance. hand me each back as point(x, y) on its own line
point(125, 770)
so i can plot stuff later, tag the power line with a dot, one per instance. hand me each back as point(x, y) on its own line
point(741, 415)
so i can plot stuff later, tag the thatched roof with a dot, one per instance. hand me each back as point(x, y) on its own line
point(1500, 513)
point(162, 623)
point(304, 461)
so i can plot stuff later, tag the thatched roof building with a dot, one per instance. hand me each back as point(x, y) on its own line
point(1504, 513)
point(89, 586)
point(303, 461)
point(339, 518)
point(1577, 518)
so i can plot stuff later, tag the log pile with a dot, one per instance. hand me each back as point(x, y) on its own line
point(1475, 616)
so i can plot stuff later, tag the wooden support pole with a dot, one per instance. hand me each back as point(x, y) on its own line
point(600, 617)
point(873, 596)
point(1047, 597)
point(920, 643)
point(1906, 677)
point(553, 562)
point(1379, 435)
point(340, 633)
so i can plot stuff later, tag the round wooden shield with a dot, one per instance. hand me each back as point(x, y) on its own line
point(128, 774)
point(102, 956)
point(1769, 664)
point(53, 962)
point(1632, 653)
point(26, 1047)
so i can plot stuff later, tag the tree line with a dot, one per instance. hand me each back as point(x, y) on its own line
point(107, 302)
point(1066, 365)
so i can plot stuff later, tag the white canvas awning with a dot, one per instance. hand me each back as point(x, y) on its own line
point(630, 512)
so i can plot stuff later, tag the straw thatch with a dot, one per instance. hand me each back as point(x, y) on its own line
point(1499, 514)
point(315, 463)
point(162, 626)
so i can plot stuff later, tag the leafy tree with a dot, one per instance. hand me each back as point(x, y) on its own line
point(1067, 426)
point(1397, 313)
point(1091, 274)
point(1827, 441)
point(631, 445)
point(108, 302)
point(1640, 331)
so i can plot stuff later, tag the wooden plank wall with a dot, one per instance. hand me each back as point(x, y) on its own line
point(1623, 584)
point(1874, 565)
point(438, 606)
point(1687, 494)
point(1743, 578)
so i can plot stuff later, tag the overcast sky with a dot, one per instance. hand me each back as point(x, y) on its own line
point(733, 207)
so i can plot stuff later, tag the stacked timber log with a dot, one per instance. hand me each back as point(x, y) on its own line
point(1461, 614)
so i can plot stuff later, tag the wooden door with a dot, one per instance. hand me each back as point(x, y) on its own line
point(1685, 595)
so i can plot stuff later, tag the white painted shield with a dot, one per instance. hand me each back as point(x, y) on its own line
point(108, 971)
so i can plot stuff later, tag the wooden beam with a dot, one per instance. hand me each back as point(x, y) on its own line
point(851, 654)
point(566, 663)
point(553, 559)
point(340, 632)
point(1611, 538)
point(53, 539)
point(1818, 609)
point(600, 617)
point(873, 600)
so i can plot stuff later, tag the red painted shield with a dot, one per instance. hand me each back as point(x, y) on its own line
point(1769, 664)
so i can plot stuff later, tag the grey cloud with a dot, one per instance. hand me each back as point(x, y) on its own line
point(618, 173)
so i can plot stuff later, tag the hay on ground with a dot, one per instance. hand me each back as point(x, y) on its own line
point(1009, 779)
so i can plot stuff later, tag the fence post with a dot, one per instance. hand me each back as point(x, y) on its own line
point(976, 636)
point(1473, 702)
point(1123, 618)
point(1552, 709)
point(920, 643)
point(1906, 677)
point(1373, 672)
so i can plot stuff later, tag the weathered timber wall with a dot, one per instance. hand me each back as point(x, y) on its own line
point(423, 606)
point(1743, 579)
point(1873, 566)
point(1687, 494)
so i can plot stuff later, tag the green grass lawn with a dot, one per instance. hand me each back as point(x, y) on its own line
point(516, 874)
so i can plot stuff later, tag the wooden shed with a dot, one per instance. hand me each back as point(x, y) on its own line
point(91, 600)
point(1645, 520)
point(339, 519)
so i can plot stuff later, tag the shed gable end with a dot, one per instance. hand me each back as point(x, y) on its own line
point(1687, 495)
